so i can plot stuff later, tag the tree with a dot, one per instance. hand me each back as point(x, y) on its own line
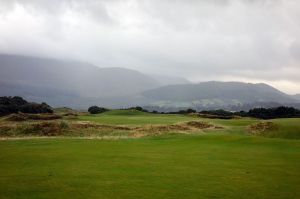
point(35, 108)
point(17, 104)
point(270, 113)
point(96, 110)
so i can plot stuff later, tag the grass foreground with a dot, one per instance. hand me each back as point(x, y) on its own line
point(216, 163)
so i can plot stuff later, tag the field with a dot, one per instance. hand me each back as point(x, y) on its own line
point(225, 162)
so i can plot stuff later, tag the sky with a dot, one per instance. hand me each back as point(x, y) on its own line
point(200, 40)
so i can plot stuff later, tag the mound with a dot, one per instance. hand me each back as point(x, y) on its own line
point(262, 128)
point(24, 117)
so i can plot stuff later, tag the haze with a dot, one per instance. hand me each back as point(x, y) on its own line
point(224, 40)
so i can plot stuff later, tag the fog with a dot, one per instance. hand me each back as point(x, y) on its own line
point(225, 40)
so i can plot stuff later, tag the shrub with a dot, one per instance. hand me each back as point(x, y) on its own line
point(271, 113)
point(17, 104)
point(96, 110)
point(35, 108)
point(63, 125)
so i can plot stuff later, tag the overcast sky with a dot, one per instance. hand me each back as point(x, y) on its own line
point(227, 40)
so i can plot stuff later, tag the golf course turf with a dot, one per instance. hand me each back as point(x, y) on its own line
point(225, 163)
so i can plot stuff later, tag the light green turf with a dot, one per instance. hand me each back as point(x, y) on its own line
point(207, 166)
point(133, 117)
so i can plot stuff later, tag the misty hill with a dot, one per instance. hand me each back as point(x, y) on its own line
point(297, 97)
point(215, 94)
point(67, 82)
point(80, 85)
point(83, 79)
point(169, 80)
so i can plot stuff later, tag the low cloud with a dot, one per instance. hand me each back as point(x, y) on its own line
point(251, 40)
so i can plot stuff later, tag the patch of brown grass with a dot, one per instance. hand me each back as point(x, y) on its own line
point(199, 125)
point(85, 125)
point(90, 129)
point(24, 116)
point(145, 130)
point(261, 128)
point(210, 116)
point(187, 127)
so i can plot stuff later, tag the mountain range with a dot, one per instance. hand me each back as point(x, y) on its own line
point(79, 84)
point(297, 97)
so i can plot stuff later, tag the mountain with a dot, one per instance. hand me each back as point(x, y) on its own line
point(60, 82)
point(215, 95)
point(169, 80)
point(80, 85)
point(297, 97)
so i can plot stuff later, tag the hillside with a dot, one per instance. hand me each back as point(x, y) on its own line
point(216, 94)
point(68, 82)
point(80, 85)
point(297, 97)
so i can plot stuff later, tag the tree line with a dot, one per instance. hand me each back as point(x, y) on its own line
point(261, 113)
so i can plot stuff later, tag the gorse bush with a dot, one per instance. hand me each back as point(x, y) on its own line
point(270, 113)
point(17, 104)
point(96, 110)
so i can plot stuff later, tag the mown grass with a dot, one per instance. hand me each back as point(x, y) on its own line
point(221, 163)
point(208, 166)
point(133, 117)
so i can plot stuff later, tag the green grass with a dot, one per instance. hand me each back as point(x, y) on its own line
point(287, 128)
point(210, 166)
point(223, 163)
point(133, 117)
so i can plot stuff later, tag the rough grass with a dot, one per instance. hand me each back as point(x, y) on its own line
point(89, 129)
point(288, 128)
point(133, 123)
point(26, 116)
point(207, 166)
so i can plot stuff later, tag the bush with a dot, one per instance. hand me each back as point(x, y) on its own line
point(219, 112)
point(96, 110)
point(17, 104)
point(271, 113)
point(35, 108)
point(138, 108)
point(63, 125)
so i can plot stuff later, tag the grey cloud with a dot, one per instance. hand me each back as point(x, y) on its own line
point(198, 39)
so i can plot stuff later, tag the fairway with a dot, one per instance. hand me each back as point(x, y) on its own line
point(179, 167)
point(134, 117)
point(224, 162)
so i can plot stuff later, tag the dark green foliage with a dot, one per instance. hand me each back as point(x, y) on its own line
point(35, 108)
point(262, 113)
point(17, 104)
point(138, 108)
point(11, 104)
point(96, 110)
point(271, 113)
point(219, 112)
point(17, 101)
point(186, 111)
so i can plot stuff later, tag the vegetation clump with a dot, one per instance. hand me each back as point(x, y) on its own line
point(271, 113)
point(261, 113)
point(262, 128)
point(25, 116)
point(96, 110)
point(17, 104)
point(199, 125)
